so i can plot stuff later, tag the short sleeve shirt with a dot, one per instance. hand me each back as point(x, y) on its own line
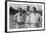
point(34, 18)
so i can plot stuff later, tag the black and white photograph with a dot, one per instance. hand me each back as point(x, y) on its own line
point(22, 16)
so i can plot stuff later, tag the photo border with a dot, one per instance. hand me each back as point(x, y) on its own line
point(24, 2)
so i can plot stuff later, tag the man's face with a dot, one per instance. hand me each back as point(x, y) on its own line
point(20, 10)
point(28, 9)
point(32, 9)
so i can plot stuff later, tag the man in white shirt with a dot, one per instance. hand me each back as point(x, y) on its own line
point(20, 19)
point(27, 22)
point(35, 18)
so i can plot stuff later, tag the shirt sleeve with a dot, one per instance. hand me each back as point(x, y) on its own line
point(40, 22)
point(15, 17)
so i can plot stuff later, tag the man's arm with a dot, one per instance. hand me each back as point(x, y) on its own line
point(40, 24)
point(40, 20)
point(15, 18)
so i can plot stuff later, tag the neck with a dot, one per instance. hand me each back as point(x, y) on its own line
point(28, 13)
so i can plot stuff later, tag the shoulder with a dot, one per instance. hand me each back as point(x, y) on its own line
point(38, 14)
point(17, 14)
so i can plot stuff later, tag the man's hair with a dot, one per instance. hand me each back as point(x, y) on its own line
point(20, 9)
point(28, 7)
point(34, 9)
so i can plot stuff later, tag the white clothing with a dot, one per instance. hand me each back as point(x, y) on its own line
point(27, 19)
point(34, 18)
point(19, 18)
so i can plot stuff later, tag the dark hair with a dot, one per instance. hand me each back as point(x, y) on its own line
point(28, 7)
point(20, 9)
point(34, 9)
